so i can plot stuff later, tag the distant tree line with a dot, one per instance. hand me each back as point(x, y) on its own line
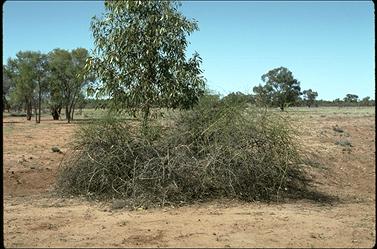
point(55, 80)
point(239, 97)
point(281, 90)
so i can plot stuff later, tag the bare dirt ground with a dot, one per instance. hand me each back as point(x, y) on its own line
point(33, 217)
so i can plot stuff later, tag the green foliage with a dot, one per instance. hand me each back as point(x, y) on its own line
point(96, 103)
point(309, 97)
point(263, 95)
point(280, 89)
point(367, 101)
point(67, 78)
point(214, 150)
point(35, 77)
point(26, 73)
point(352, 98)
point(139, 56)
point(6, 89)
point(238, 98)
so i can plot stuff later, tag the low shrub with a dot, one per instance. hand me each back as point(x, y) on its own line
point(214, 150)
point(338, 129)
point(344, 143)
point(56, 149)
point(17, 114)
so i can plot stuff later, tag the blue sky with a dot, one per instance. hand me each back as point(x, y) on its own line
point(329, 46)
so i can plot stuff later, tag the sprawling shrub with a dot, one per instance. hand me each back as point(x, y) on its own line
point(214, 150)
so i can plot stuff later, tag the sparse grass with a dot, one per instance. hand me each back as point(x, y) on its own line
point(8, 130)
point(331, 111)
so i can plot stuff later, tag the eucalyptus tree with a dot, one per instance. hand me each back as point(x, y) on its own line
point(309, 97)
point(281, 88)
point(237, 98)
point(366, 101)
point(41, 78)
point(139, 57)
point(67, 79)
point(263, 95)
point(24, 74)
point(351, 98)
point(6, 90)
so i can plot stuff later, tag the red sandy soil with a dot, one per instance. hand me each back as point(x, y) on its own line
point(33, 217)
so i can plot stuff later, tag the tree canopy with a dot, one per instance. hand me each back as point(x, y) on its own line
point(280, 89)
point(351, 98)
point(67, 79)
point(309, 96)
point(139, 57)
point(6, 89)
point(23, 72)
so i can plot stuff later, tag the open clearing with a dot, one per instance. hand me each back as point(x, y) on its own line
point(33, 217)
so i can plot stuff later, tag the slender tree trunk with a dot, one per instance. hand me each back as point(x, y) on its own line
point(39, 105)
point(282, 107)
point(72, 108)
point(145, 119)
point(28, 110)
point(36, 112)
point(72, 113)
point(60, 112)
point(55, 114)
point(67, 114)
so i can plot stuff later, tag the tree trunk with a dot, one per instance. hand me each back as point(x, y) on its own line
point(55, 114)
point(28, 110)
point(36, 112)
point(72, 109)
point(39, 105)
point(145, 119)
point(67, 114)
point(72, 112)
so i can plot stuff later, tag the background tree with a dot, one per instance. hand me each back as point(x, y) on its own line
point(281, 88)
point(338, 102)
point(55, 97)
point(351, 98)
point(237, 98)
point(366, 101)
point(66, 79)
point(139, 57)
point(28, 74)
point(263, 95)
point(22, 72)
point(6, 90)
point(309, 97)
point(285, 88)
point(41, 79)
